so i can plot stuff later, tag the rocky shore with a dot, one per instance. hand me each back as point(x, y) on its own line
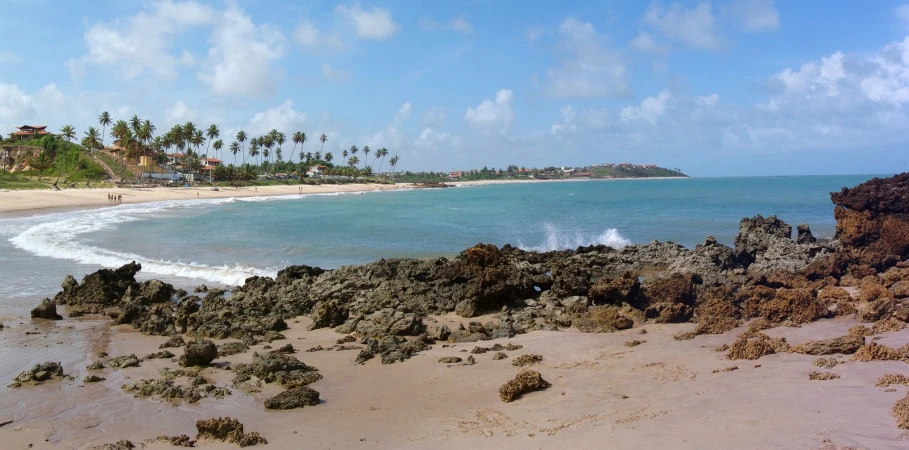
point(392, 310)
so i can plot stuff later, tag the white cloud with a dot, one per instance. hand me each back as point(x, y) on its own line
point(695, 27)
point(178, 113)
point(14, 104)
point(755, 15)
point(373, 24)
point(889, 81)
point(456, 24)
point(307, 35)
point(142, 43)
point(709, 101)
point(335, 75)
point(592, 70)
point(650, 110)
point(403, 112)
point(282, 117)
point(492, 115)
point(644, 42)
point(239, 61)
point(567, 117)
point(434, 116)
point(8, 57)
point(434, 139)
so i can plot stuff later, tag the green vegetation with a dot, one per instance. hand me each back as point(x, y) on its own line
point(16, 182)
point(57, 158)
point(632, 172)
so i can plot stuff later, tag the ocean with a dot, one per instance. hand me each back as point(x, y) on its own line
point(222, 242)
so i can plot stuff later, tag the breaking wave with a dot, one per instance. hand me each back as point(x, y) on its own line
point(558, 239)
point(58, 236)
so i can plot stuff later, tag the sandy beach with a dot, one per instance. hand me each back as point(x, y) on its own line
point(11, 201)
point(662, 393)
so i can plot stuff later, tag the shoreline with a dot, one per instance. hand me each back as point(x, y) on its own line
point(31, 202)
point(19, 203)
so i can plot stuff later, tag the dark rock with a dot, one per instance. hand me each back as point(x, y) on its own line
point(450, 360)
point(46, 310)
point(297, 397)
point(198, 353)
point(273, 367)
point(227, 430)
point(38, 374)
point(92, 378)
point(122, 362)
point(804, 235)
point(173, 342)
point(525, 381)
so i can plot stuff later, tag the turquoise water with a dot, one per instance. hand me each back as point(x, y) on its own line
point(224, 241)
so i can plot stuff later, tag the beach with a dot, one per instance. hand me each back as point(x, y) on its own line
point(28, 200)
point(763, 344)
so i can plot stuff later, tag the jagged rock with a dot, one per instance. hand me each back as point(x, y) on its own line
point(92, 378)
point(163, 354)
point(274, 367)
point(46, 310)
point(616, 291)
point(198, 353)
point(603, 319)
point(672, 299)
point(526, 360)
point(38, 374)
point(846, 345)
point(232, 348)
point(297, 397)
point(166, 389)
point(119, 445)
point(98, 290)
point(97, 365)
point(441, 333)
point(122, 362)
point(804, 235)
point(755, 345)
point(450, 360)
point(173, 342)
point(525, 381)
point(227, 430)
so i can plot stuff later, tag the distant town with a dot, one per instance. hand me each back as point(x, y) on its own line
point(599, 171)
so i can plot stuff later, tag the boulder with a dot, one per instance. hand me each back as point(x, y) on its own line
point(524, 382)
point(47, 309)
point(227, 430)
point(198, 353)
point(297, 397)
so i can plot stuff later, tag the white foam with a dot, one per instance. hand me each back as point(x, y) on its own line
point(558, 239)
point(58, 236)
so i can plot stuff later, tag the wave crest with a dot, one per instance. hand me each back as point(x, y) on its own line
point(559, 239)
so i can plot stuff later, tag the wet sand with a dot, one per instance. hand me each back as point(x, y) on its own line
point(660, 394)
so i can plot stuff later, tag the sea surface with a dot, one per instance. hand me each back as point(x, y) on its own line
point(222, 242)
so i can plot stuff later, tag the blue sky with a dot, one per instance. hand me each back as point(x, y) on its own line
point(740, 87)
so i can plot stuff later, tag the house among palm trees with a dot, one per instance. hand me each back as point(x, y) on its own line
point(208, 161)
point(316, 171)
point(27, 132)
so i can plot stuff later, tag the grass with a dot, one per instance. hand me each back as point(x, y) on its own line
point(16, 182)
point(114, 165)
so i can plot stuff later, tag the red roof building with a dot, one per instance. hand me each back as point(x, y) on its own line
point(27, 132)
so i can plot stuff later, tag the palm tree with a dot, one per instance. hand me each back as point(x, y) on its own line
point(393, 162)
point(241, 138)
point(354, 150)
point(367, 171)
point(234, 149)
point(212, 134)
point(365, 153)
point(317, 156)
point(144, 136)
point(218, 145)
point(329, 157)
point(344, 154)
point(91, 138)
point(120, 131)
point(280, 139)
point(104, 121)
point(323, 138)
point(253, 151)
point(197, 139)
point(68, 132)
point(353, 161)
point(41, 162)
point(299, 138)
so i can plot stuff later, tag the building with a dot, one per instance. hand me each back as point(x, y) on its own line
point(583, 174)
point(207, 161)
point(626, 165)
point(456, 175)
point(647, 166)
point(27, 132)
point(316, 171)
point(174, 159)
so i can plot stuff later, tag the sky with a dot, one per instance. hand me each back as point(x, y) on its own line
point(725, 88)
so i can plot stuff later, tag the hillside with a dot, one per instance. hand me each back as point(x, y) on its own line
point(632, 172)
